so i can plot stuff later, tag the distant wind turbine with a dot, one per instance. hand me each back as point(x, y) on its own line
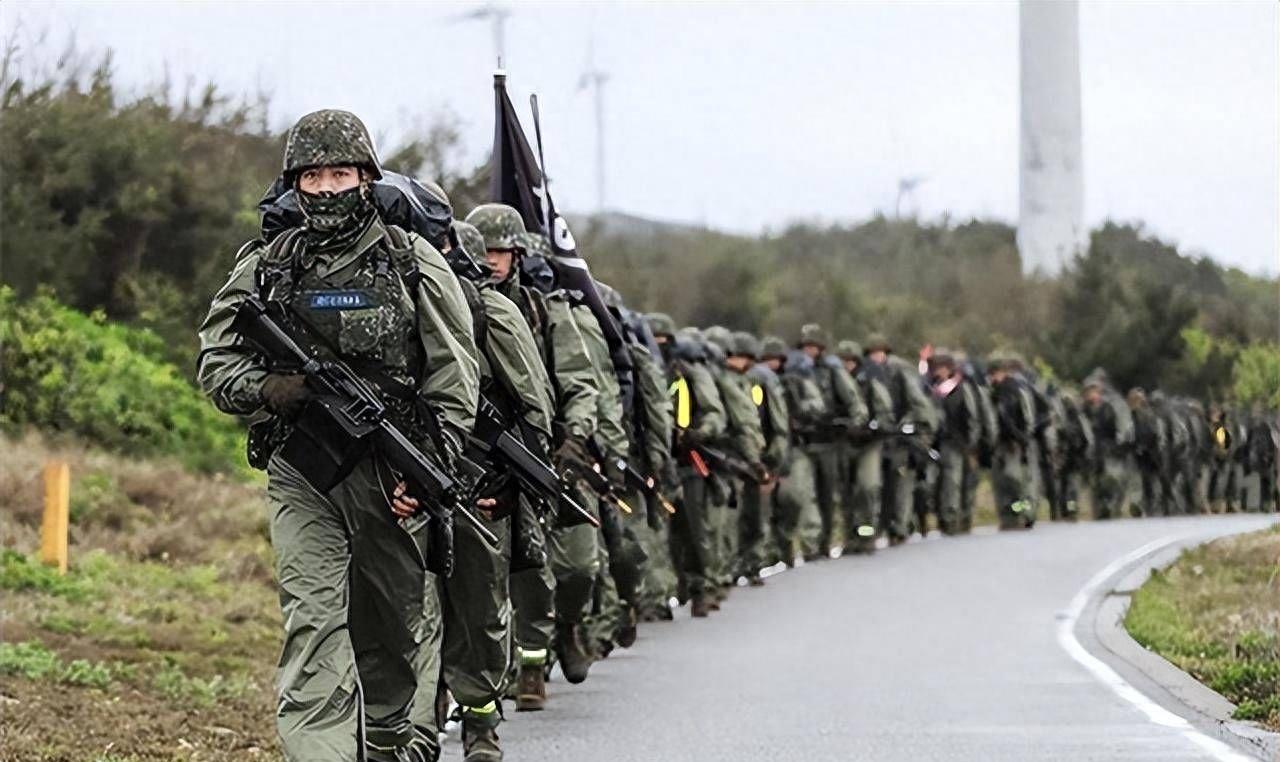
point(595, 78)
point(906, 187)
point(497, 15)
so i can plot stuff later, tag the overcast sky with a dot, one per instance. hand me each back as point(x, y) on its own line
point(745, 116)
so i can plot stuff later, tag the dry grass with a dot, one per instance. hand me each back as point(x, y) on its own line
point(161, 639)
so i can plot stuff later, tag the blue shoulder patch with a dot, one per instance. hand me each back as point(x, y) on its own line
point(339, 300)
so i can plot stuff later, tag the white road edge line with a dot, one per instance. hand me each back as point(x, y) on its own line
point(1156, 713)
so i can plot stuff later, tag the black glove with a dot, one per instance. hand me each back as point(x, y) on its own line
point(572, 452)
point(689, 438)
point(285, 393)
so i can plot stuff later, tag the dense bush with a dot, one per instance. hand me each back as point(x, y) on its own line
point(108, 383)
point(134, 205)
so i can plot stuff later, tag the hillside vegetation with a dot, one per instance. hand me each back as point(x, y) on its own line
point(132, 206)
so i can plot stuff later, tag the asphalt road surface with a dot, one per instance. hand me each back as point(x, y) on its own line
point(946, 649)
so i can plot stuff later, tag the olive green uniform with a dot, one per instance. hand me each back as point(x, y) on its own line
point(986, 448)
point(1113, 434)
point(699, 418)
point(755, 547)
point(652, 433)
point(862, 500)
point(828, 447)
point(957, 442)
point(560, 593)
point(362, 619)
point(743, 440)
point(620, 555)
point(796, 498)
point(478, 613)
point(1012, 464)
point(911, 410)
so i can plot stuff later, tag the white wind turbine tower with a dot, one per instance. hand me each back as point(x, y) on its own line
point(595, 78)
point(497, 15)
point(1051, 178)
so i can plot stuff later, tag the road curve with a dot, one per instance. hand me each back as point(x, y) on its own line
point(945, 649)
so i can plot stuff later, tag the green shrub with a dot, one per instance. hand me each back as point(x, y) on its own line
point(76, 373)
point(88, 673)
point(33, 661)
point(30, 660)
point(175, 684)
point(19, 572)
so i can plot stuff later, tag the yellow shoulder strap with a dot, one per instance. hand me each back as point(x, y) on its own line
point(679, 391)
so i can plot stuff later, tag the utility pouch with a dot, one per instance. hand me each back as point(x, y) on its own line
point(528, 538)
point(325, 445)
point(434, 537)
point(261, 442)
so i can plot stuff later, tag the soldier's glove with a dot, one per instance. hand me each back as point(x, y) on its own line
point(762, 473)
point(572, 453)
point(690, 438)
point(285, 393)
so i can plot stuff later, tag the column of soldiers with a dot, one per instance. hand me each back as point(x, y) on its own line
point(731, 455)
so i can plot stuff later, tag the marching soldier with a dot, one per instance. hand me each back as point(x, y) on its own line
point(700, 418)
point(913, 415)
point(361, 615)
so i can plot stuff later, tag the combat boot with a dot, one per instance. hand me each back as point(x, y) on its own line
point(575, 662)
point(531, 688)
point(701, 606)
point(626, 636)
point(480, 734)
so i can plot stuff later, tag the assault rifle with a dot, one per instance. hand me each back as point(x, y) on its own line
point(646, 485)
point(829, 429)
point(345, 420)
point(591, 475)
point(719, 460)
point(908, 432)
point(493, 438)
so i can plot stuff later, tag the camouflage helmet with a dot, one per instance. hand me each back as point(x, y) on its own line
point(848, 349)
point(877, 342)
point(719, 335)
point(1000, 359)
point(743, 344)
point(661, 324)
point(693, 333)
point(1096, 379)
point(469, 239)
point(501, 225)
point(610, 295)
point(942, 356)
point(773, 346)
point(812, 333)
point(330, 138)
point(537, 245)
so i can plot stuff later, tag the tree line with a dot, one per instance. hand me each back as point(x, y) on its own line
point(134, 205)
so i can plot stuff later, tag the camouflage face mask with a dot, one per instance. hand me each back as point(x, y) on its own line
point(331, 215)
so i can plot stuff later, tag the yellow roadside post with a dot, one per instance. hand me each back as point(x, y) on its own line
point(57, 505)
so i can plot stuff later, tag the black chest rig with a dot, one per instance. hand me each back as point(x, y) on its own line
point(363, 313)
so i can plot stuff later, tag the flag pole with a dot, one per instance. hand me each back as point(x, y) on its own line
point(542, 167)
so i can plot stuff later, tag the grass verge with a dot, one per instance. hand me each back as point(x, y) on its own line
point(161, 639)
point(1215, 613)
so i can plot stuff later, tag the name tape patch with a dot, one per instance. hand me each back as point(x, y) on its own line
point(340, 300)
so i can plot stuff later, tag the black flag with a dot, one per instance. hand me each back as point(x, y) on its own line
point(519, 182)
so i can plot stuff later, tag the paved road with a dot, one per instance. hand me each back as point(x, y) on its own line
point(940, 650)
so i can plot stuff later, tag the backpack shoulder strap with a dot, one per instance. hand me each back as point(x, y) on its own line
point(278, 263)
